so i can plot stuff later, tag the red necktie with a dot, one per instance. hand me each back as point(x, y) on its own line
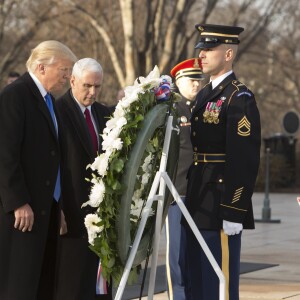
point(91, 129)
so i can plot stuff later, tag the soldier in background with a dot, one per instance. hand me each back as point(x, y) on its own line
point(188, 76)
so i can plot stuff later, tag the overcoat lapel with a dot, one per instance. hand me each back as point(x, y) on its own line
point(41, 103)
point(79, 125)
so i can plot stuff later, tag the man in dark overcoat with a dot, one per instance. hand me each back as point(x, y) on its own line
point(30, 158)
point(78, 109)
point(226, 137)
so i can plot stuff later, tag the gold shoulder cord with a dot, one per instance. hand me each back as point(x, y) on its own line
point(236, 90)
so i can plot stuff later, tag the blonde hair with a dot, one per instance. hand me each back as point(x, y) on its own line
point(47, 52)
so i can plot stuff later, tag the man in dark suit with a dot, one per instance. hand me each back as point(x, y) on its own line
point(83, 121)
point(30, 157)
point(226, 137)
point(188, 78)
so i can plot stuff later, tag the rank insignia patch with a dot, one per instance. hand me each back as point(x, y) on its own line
point(244, 127)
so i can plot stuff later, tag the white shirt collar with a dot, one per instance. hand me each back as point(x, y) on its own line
point(218, 80)
point(39, 85)
point(82, 107)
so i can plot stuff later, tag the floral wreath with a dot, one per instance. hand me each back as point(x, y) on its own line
point(107, 185)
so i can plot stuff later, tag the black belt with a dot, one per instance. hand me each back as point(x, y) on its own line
point(209, 157)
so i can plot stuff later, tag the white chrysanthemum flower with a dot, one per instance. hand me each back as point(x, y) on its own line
point(145, 178)
point(137, 195)
point(101, 164)
point(107, 142)
point(119, 111)
point(148, 209)
point(117, 144)
point(110, 137)
point(136, 208)
point(110, 125)
point(146, 167)
point(121, 122)
point(128, 100)
point(131, 93)
point(96, 195)
point(152, 80)
point(90, 222)
point(154, 73)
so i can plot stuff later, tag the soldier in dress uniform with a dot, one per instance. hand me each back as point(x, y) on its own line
point(226, 138)
point(188, 76)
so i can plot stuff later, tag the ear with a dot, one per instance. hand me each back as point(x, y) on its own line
point(41, 69)
point(72, 81)
point(229, 54)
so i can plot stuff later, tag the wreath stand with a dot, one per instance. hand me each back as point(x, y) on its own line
point(161, 180)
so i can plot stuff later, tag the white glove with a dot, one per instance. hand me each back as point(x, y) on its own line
point(231, 228)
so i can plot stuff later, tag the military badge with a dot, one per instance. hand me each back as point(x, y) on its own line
point(183, 119)
point(212, 111)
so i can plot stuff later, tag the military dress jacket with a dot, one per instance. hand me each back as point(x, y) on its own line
point(183, 109)
point(225, 123)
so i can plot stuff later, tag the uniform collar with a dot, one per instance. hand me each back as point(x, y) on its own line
point(218, 80)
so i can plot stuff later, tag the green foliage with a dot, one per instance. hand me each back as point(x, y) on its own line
point(105, 244)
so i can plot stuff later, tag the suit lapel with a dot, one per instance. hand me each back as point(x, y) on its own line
point(98, 118)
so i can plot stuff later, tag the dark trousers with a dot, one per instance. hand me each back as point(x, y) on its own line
point(46, 287)
point(77, 271)
point(226, 251)
point(176, 264)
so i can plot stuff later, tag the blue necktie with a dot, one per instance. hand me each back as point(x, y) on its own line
point(57, 189)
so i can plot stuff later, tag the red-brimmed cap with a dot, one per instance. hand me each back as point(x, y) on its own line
point(191, 68)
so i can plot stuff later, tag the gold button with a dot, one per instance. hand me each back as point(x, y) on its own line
point(195, 148)
point(194, 133)
point(196, 118)
point(220, 180)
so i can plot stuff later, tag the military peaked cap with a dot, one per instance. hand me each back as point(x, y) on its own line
point(191, 68)
point(213, 35)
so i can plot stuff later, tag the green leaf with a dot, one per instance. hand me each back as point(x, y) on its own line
point(117, 165)
point(111, 262)
point(116, 185)
point(127, 141)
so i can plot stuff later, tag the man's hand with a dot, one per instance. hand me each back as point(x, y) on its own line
point(24, 218)
point(231, 228)
point(63, 224)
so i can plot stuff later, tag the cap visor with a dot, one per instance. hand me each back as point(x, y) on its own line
point(202, 45)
